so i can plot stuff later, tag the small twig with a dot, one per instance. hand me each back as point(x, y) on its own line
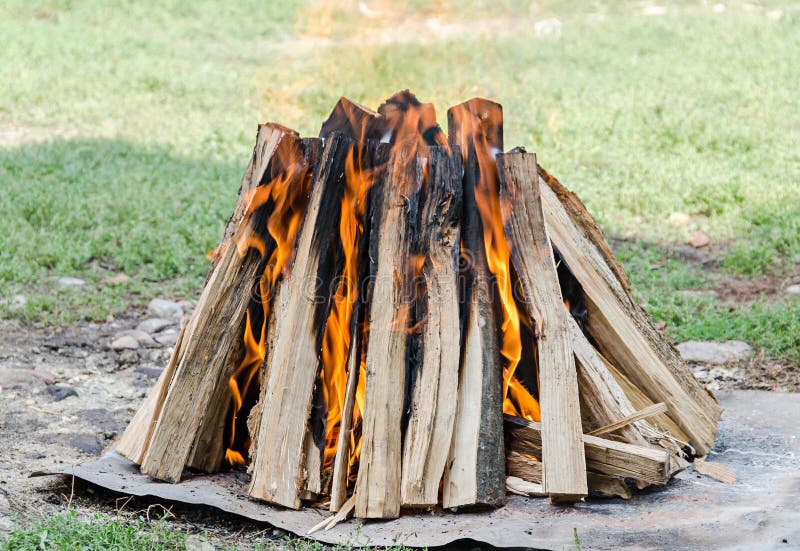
point(71, 493)
point(649, 411)
point(344, 512)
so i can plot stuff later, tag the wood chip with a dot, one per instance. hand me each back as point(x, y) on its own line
point(717, 471)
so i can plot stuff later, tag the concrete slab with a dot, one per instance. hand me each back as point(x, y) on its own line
point(758, 441)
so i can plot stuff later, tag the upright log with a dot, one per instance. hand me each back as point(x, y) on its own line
point(391, 210)
point(621, 328)
point(212, 339)
point(353, 120)
point(475, 470)
point(433, 405)
point(564, 465)
point(302, 311)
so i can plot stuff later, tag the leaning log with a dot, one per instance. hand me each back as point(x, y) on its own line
point(621, 328)
point(435, 386)
point(302, 311)
point(564, 465)
point(212, 338)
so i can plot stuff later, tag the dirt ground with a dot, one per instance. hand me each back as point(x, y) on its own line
point(66, 395)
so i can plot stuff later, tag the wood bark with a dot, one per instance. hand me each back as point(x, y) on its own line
point(475, 470)
point(212, 337)
point(621, 328)
point(433, 405)
point(564, 465)
point(608, 457)
point(391, 210)
point(302, 311)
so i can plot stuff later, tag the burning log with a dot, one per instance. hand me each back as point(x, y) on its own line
point(435, 385)
point(391, 209)
point(278, 469)
point(563, 477)
point(621, 327)
point(213, 339)
point(603, 456)
point(474, 474)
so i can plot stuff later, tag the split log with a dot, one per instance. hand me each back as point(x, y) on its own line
point(621, 328)
point(211, 339)
point(603, 401)
point(302, 311)
point(608, 457)
point(135, 441)
point(355, 121)
point(608, 486)
point(208, 449)
point(341, 462)
point(564, 468)
point(410, 122)
point(524, 467)
point(475, 470)
point(391, 210)
point(435, 386)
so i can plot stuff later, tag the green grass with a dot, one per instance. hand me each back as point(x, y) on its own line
point(152, 109)
point(71, 531)
point(68, 531)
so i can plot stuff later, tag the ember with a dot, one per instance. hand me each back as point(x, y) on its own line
point(403, 317)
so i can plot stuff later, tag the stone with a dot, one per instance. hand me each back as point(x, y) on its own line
point(142, 337)
point(126, 342)
point(168, 337)
point(167, 309)
point(128, 357)
point(710, 352)
point(21, 379)
point(59, 392)
point(46, 376)
point(793, 290)
point(150, 372)
point(699, 240)
point(70, 282)
point(119, 279)
point(154, 325)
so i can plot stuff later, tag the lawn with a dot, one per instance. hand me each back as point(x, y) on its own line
point(128, 125)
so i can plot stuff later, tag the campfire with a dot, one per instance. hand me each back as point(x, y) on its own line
point(400, 317)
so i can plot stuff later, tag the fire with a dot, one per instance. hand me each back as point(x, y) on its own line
point(337, 337)
point(475, 127)
point(286, 193)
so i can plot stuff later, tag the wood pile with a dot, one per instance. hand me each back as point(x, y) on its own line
point(399, 317)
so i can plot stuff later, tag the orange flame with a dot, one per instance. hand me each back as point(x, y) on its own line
point(337, 337)
point(476, 127)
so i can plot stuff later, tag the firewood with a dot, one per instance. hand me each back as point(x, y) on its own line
point(524, 467)
point(212, 352)
point(355, 121)
point(655, 409)
point(341, 462)
point(136, 439)
point(621, 328)
point(522, 487)
point(435, 386)
point(564, 465)
point(603, 456)
point(392, 208)
point(475, 470)
point(603, 401)
point(608, 486)
point(302, 311)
